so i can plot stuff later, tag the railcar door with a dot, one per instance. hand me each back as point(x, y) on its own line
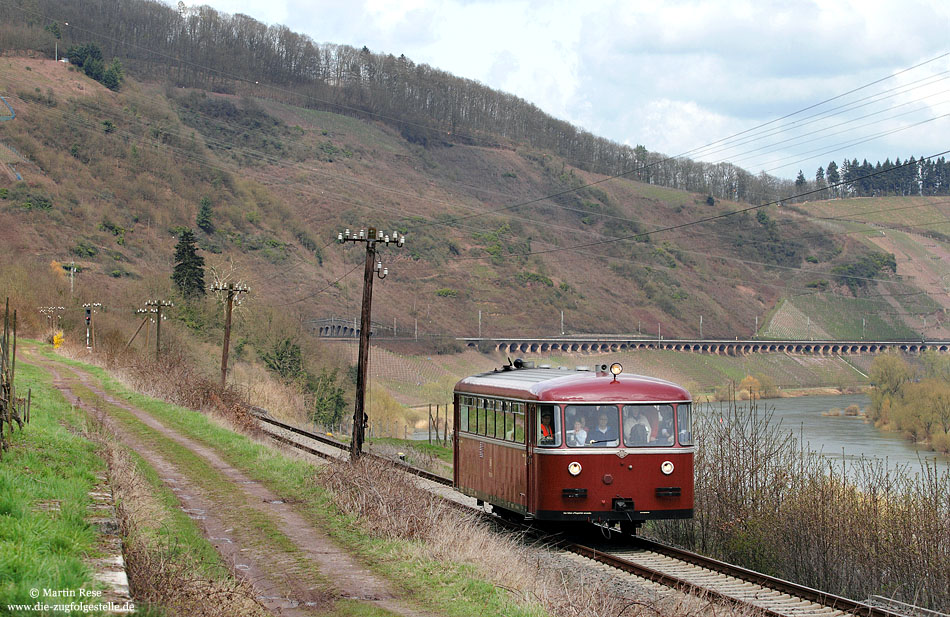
point(531, 429)
point(455, 441)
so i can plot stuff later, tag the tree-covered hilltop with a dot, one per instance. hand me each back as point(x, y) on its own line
point(203, 48)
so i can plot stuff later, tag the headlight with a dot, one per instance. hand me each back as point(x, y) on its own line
point(574, 468)
point(667, 467)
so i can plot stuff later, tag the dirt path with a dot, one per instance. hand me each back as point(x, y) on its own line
point(297, 582)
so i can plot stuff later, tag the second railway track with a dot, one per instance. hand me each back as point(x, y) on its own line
point(652, 561)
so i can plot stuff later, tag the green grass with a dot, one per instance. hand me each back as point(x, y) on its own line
point(451, 589)
point(42, 547)
point(408, 445)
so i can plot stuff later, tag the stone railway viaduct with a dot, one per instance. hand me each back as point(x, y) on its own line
point(718, 347)
point(347, 329)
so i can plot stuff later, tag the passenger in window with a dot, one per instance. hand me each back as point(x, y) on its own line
point(665, 432)
point(578, 436)
point(636, 426)
point(605, 433)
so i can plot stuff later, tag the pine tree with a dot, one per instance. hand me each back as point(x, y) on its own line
point(800, 183)
point(189, 274)
point(833, 178)
point(204, 216)
point(112, 77)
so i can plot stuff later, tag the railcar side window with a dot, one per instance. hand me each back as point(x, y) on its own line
point(684, 424)
point(519, 422)
point(464, 403)
point(648, 425)
point(479, 426)
point(492, 418)
point(489, 418)
point(500, 407)
point(506, 424)
point(549, 426)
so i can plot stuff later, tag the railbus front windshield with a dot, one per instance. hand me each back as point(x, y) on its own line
point(607, 426)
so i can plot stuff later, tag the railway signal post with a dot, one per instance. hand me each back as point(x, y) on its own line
point(90, 310)
point(232, 290)
point(373, 266)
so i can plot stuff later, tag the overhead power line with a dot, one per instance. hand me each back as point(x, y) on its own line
point(707, 219)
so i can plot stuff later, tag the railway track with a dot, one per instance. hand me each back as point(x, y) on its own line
point(649, 560)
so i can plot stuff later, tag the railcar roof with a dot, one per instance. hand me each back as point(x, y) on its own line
point(572, 386)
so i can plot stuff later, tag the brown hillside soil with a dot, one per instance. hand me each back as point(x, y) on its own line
point(301, 580)
point(39, 73)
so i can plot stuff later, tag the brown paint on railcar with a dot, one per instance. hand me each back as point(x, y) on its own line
point(488, 468)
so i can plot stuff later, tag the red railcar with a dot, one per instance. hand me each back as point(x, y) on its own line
point(559, 445)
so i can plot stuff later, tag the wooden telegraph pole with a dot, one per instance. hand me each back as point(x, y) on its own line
point(373, 265)
point(159, 305)
point(232, 290)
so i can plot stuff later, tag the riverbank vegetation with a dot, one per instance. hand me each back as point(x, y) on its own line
point(855, 528)
point(914, 400)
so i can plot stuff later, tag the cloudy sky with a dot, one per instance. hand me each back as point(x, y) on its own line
point(678, 75)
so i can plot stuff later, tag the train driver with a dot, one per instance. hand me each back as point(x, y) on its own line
point(605, 433)
point(546, 428)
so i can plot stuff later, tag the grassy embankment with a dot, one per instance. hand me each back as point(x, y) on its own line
point(45, 479)
point(46, 541)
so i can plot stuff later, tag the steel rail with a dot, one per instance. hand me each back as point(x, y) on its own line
point(807, 593)
point(422, 473)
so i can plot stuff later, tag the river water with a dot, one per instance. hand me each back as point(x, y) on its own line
point(842, 437)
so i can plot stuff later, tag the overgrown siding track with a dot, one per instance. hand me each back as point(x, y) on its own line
point(655, 562)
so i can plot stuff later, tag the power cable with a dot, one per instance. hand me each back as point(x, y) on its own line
point(712, 218)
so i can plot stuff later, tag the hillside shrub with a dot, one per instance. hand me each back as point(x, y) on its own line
point(527, 278)
point(284, 358)
point(857, 275)
point(85, 248)
point(89, 58)
point(327, 404)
